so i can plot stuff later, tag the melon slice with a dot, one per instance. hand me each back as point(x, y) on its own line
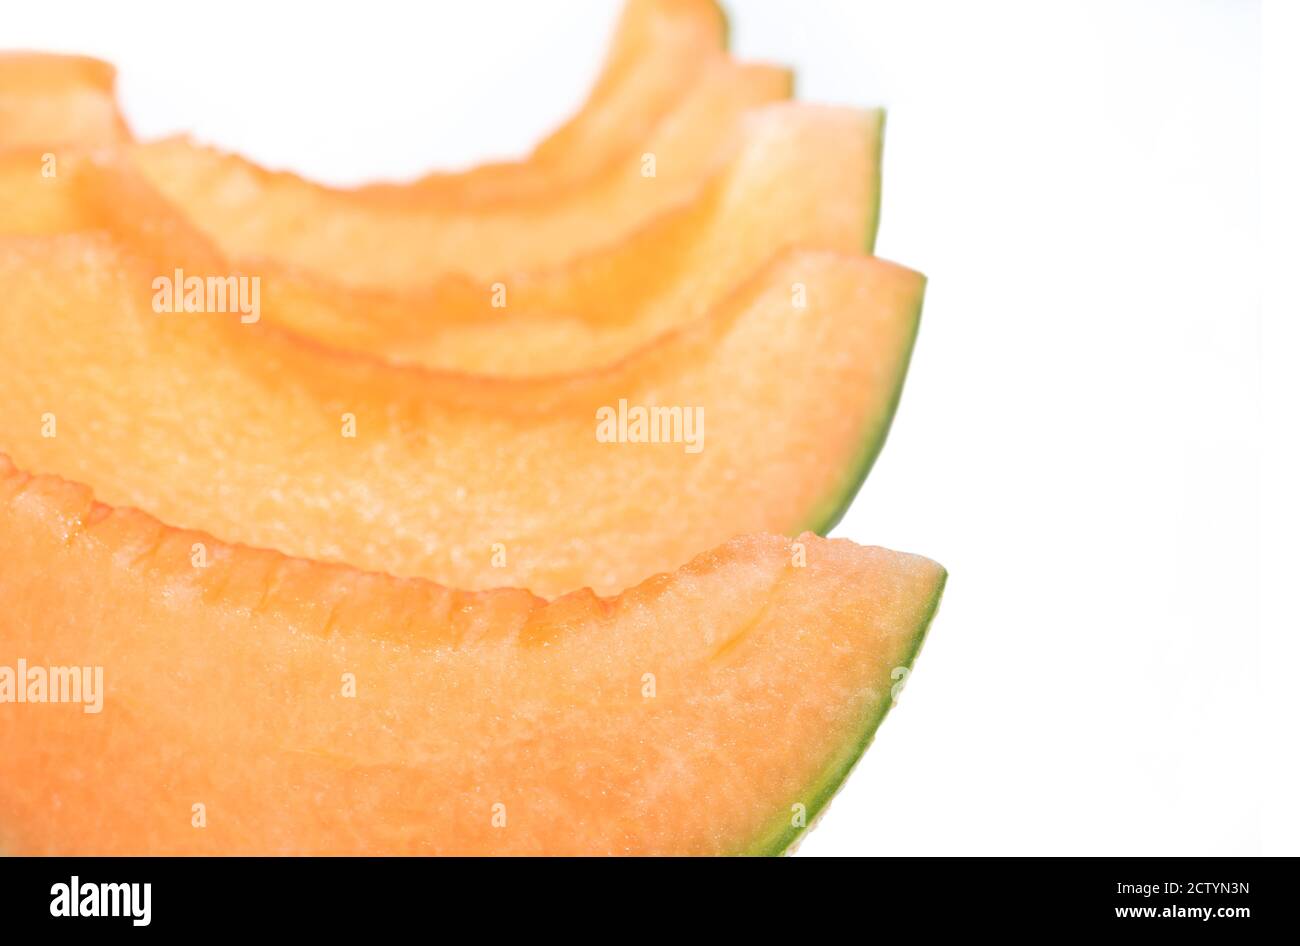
point(804, 177)
point(659, 52)
point(712, 711)
point(771, 410)
point(361, 239)
point(47, 101)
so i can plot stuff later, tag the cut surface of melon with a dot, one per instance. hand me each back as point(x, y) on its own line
point(362, 240)
point(659, 52)
point(711, 711)
point(49, 100)
point(772, 407)
point(803, 176)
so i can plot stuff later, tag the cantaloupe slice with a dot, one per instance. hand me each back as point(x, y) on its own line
point(243, 431)
point(47, 101)
point(658, 54)
point(363, 240)
point(660, 51)
point(804, 177)
point(712, 711)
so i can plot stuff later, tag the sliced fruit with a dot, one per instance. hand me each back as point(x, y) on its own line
point(771, 408)
point(664, 721)
point(659, 52)
point(362, 240)
point(47, 101)
point(804, 177)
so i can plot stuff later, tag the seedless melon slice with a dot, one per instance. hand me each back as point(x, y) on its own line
point(47, 101)
point(772, 408)
point(317, 709)
point(803, 176)
point(659, 51)
point(361, 239)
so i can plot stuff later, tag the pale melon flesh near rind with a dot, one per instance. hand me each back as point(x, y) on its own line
point(238, 430)
point(582, 316)
point(785, 833)
point(223, 686)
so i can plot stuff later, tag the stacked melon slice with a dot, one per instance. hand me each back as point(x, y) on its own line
point(254, 520)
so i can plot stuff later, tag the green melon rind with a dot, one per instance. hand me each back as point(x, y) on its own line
point(877, 177)
point(830, 512)
point(783, 837)
point(725, 18)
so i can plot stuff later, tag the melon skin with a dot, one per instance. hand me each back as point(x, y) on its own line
point(222, 689)
point(832, 511)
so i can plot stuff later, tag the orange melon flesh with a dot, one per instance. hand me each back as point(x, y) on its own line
point(803, 176)
point(660, 50)
point(581, 316)
point(444, 469)
point(364, 241)
point(694, 714)
point(47, 101)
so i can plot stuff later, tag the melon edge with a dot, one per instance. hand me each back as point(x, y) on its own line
point(782, 838)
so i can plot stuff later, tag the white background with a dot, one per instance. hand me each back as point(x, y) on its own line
point(1081, 441)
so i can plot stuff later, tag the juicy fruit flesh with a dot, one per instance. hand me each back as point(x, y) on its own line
point(689, 135)
point(780, 671)
point(364, 242)
point(659, 50)
point(47, 101)
point(582, 316)
point(766, 679)
point(444, 468)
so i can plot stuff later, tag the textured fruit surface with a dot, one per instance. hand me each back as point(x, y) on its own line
point(471, 535)
point(659, 54)
point(48, 100)
point(802, 176)
point(242, 430)
point(361, 240)
point(711, 711)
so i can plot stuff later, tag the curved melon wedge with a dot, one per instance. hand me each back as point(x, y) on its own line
point(659, 52)
point(361, 239)
point(803, 176)
point(769, 413)
point(48, 100)
point(666, 720)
